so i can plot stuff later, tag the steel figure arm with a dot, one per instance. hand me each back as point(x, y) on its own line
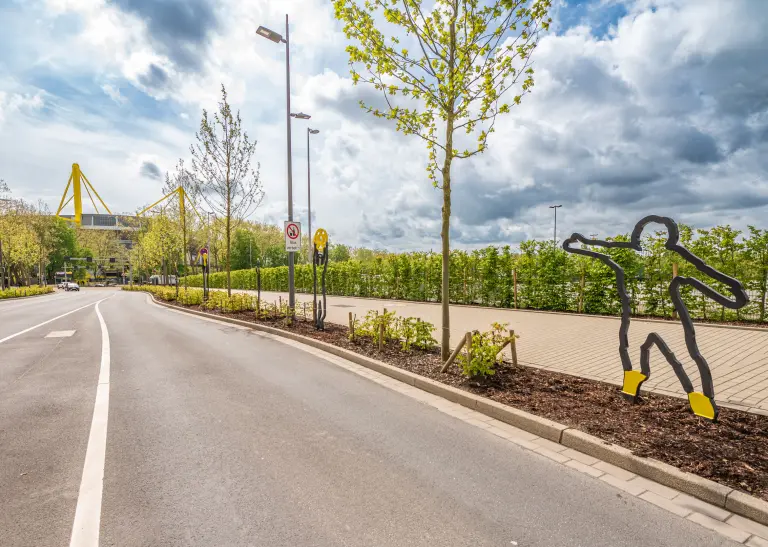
point(734, 286)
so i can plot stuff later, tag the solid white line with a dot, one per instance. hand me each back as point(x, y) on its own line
point(85, 530)
point(49, 321)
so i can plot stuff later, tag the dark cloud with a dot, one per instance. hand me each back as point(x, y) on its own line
point(181, 29)
point(696, 147)
point(347, 103)
point(155, 78)
point(150, 170)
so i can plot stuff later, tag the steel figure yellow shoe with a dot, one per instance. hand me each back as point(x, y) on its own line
point(702, 405)
point(633, 379)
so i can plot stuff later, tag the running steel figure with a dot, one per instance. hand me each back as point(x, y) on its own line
point(702, 404)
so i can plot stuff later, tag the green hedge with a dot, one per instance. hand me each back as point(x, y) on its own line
point(548, 278)
point(19, 292)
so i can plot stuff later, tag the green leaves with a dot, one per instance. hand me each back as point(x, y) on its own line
point(483, 354)
point(465, 56)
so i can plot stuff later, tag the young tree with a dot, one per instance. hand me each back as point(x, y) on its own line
point(463, 58)
point(222, 172)
point(757, 253)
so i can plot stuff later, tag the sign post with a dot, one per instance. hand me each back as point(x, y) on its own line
point(320, 258)
point(292, 236)
point(204, 262)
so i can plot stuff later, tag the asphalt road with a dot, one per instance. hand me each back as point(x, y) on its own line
point(218, 436)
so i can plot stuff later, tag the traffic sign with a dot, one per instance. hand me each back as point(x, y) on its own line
point(204, 256)
point(321, 238)
point(292, 236)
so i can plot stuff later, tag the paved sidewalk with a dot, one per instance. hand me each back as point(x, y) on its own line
point(588, 346)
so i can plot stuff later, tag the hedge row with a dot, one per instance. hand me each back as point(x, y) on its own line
point(18, 292)
point(540, 276)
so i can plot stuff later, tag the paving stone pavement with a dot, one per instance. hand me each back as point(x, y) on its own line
point(587, 346)
point(717, 519)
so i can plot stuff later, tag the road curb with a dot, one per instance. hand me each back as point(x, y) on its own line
point(712, 492)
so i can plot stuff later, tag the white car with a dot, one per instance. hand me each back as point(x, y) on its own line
point(72, 287)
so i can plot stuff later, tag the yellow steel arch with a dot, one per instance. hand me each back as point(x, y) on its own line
point(77, 179)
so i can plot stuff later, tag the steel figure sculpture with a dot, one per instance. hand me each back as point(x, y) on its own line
point(320, 258)
point(702, 404)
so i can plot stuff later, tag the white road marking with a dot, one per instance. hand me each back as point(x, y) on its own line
point(60, 334)
point(85, 530)
point(49, 321)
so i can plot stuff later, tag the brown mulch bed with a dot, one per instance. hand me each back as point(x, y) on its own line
point(733, 451)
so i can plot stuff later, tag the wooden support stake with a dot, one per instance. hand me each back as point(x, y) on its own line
point(514, 285)
point(513, 346)
point(381, 336)
point(455, 354)
point(504, 345)
point(581, 293)
point(468, 343)
point(351, 327)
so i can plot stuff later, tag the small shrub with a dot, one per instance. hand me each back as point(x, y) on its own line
point(409, 331)
point(484, 354)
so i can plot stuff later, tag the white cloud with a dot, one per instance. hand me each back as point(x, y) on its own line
point(630, 122)
point(13, 103)
point(113, 93)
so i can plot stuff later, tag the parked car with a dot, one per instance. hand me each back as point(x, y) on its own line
point(72, 287)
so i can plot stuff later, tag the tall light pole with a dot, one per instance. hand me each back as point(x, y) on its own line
point(277, 38)
point(309, 193)
point(554, 237)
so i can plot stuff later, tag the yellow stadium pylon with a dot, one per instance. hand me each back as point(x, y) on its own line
point(76, 178)
point(182, 209)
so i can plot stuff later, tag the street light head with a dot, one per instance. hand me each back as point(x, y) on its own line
point(313, 131)
point(554, 206)
point(300, 116)
point(269, 34)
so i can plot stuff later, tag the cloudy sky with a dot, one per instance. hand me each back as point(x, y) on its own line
point(640, 106)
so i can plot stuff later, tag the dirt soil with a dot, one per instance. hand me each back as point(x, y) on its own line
point(733, 451)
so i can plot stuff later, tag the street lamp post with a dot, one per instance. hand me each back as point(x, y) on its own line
point(277, 38)
point(309, 193)
point(554, 237)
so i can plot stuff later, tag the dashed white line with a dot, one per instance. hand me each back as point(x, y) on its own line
point(85, 530)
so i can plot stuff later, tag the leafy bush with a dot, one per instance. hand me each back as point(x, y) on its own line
point(484, 354)
point(408, 331)
point(414, 332)
point(19, 292)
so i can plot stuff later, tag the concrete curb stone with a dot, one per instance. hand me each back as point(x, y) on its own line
point(717, 494)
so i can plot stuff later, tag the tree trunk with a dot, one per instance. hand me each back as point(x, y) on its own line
point(229, 244)
point(446, 248)
point(229, 226)
point(446, 227)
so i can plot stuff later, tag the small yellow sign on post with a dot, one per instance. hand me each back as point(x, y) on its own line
point(321, 238)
